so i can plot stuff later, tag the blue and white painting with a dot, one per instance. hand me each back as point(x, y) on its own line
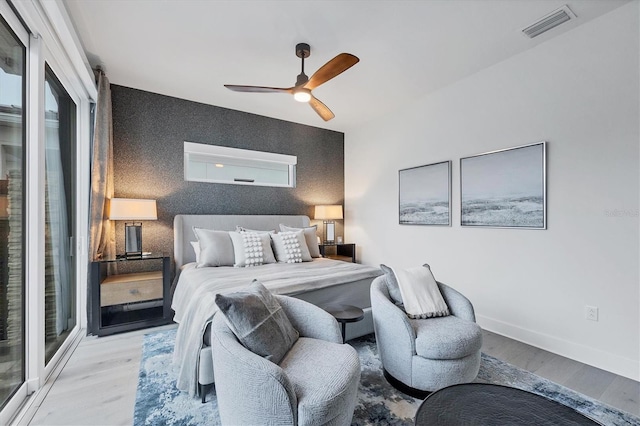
point(504, 188)
point(425, 195)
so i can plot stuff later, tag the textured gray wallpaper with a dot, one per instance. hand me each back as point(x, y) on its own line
point(149, 131)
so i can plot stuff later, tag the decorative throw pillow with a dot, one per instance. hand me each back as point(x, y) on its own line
point(392, 284)
point(243, 229)
point(258, 321)
point(291, 247)
point(216, 248)
point(251, 249)
point(310, 237)
point(420, 293)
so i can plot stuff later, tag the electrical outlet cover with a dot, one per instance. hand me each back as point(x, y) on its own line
point(591, 313)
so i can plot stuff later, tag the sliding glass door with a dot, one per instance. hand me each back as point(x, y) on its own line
point(60, 141)
point(45, 97)
point(12, 241)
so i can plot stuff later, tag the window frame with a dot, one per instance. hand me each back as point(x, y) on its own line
point(14, 402)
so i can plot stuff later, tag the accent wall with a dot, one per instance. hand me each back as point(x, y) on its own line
point(150, 129)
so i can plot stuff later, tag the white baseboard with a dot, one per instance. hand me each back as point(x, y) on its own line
point(607, 361)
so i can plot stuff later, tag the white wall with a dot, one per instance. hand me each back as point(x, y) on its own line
point(578, 91)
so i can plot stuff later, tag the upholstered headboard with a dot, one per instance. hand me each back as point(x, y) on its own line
point(183, 229)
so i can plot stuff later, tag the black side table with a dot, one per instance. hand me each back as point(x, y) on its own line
point(345, 252)
point(344, 314)
point(135, 297)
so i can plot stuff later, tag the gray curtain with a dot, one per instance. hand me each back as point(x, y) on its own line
point(102, 242)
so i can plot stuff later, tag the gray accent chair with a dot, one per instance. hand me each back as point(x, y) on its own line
point(316, 382)
point(420, 356)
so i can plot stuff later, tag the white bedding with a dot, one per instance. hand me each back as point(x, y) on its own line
point(194, 305)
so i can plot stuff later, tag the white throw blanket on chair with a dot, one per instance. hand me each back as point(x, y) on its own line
point(420, 294)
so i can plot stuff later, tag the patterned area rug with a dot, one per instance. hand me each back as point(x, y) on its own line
point(158, 402)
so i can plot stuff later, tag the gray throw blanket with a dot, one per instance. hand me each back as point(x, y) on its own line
point(194, 298)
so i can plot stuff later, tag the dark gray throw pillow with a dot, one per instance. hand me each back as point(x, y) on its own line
point(258, 321)
point(392, 284)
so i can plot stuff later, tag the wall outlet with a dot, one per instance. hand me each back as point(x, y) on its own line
point(591, 313)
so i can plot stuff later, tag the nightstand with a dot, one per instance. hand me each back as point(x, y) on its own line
point(345, 252)
point(135, 297)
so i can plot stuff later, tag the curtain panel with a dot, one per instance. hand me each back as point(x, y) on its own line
point(101, 230)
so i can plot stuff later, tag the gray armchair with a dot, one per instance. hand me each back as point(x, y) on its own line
point(422, 355)
point(316, 382)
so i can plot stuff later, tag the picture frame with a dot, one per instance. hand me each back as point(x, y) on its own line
point(506, 188)
point(424, 195)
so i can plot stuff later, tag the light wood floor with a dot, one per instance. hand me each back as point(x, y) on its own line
point(98, 384)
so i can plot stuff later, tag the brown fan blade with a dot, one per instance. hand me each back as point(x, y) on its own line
point(334, 67)
point(321, 109)
point(258, 89)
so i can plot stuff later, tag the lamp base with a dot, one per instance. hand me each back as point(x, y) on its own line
point(329, 231)
point(133, 239)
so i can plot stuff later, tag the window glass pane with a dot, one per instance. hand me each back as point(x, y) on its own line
point(12, 125)
point(217, 164)
point(60, 288)
point(218, 169)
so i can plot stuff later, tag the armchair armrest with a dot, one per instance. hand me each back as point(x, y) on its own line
point(395, 336)
point(388, 315)
point(238, 369)
point(459, 305)
point(310, 320)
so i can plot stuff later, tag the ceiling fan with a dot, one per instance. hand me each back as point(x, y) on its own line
point(304, 85)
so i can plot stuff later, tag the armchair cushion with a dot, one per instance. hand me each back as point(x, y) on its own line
point(258, 321)
point(322, 375)
point(446, 337)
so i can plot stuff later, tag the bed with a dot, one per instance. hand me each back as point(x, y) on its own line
point(321, 282)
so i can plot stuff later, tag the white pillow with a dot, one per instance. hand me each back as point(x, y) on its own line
point(251, 249)
point(291, 247)
point(310, 237)
point(216, 248)
point(243, 229)
point(196, 249)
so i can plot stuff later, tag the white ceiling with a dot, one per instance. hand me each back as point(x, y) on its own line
point(407, 49)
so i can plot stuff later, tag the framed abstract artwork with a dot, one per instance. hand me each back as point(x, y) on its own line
point(505, 188)
point(425, 195)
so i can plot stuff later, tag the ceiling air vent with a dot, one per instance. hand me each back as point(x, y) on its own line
point(550, 21)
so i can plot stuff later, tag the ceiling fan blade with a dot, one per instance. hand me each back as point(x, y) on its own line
point(321, 109)
point(258, 89)
point(334, 67)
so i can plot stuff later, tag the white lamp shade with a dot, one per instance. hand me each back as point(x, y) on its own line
point(328, 212)
point(132, 209)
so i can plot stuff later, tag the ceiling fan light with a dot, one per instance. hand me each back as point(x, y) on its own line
point(302, 95)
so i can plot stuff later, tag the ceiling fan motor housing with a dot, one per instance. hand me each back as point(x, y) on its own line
point(302, 79)
point(303, 50)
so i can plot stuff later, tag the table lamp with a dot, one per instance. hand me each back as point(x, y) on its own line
point(328, 214)
point(134, 210)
